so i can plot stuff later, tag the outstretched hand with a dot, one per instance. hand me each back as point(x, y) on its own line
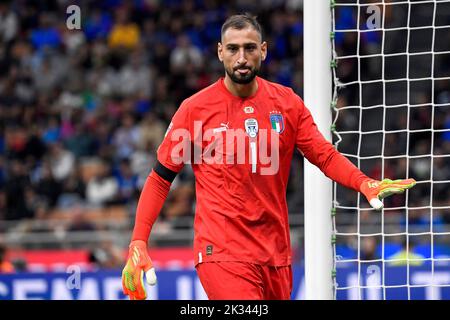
point(376, 190)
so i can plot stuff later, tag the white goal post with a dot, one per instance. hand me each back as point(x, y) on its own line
point(318, 188)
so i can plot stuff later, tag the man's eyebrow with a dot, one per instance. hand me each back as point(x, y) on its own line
point(245, 44)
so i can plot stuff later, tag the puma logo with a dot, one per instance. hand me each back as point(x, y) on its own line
point(223, 127)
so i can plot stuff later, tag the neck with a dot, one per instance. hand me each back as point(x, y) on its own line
point(241, 90)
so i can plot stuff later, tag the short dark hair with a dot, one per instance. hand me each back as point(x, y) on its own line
point(242, 21)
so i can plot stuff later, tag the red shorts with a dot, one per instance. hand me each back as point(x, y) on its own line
point(229, 280)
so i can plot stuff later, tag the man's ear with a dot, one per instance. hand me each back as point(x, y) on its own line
point(220, 51)
point(263, 51)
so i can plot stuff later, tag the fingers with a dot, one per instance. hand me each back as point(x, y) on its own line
point(395, 187)
point(133, 284)
point(150, 275)
point(140, 292)
point(409, 183)
point(401, 183)
point(390, 191)
point(124, 287)
point(376, 203)
point(133, 296)
point(375, 190)
point(138, 280)
point(391, 187)
point(126, 291)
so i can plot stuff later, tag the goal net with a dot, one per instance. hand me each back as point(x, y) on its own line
point(391, 118)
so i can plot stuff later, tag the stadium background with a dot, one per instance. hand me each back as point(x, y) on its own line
point(83, 111)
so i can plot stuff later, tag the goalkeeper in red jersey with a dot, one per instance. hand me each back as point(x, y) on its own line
point(239, 135)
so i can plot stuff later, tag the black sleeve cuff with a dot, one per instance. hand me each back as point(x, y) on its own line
point(164, 172)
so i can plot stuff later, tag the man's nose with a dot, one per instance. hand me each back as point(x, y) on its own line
point(242, 60)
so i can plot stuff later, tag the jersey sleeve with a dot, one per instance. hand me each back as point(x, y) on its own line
point(175, 149)
point(320, 152)
point(151, 200)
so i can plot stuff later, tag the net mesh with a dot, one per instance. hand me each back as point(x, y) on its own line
point(391, 106)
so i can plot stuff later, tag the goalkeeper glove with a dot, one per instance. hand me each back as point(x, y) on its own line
point(138, 263)
point(375, 190)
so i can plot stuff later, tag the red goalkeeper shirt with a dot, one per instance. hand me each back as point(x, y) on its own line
point(241, 176)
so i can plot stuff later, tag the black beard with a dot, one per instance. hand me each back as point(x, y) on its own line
point(243, 79)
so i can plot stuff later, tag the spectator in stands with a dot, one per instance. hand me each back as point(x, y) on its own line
point(16, 184)
point(73, 189)
point(368, 248)
point(34, 203)
point(180, 203)
point(151, 131)
point(2, 171)
point(102, 189)
point(141, 160)
point(51, 133)
point(419, 220)
point(127, 182)
point(136, 77)
point(5, 265)
point(124, 33)
point(61, 161)
point(185, 56)
point(126, 137)
point(405, 257)
point(3, 207)
point(79, 220)
point(107, 256)
point(9, 23)
point(98, 24)
point(81, 142)
point(46, 35)
point(47, 186)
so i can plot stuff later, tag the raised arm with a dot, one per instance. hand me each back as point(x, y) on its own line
point(337, 167)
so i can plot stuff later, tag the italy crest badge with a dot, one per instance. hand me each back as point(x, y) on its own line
point(277, 121)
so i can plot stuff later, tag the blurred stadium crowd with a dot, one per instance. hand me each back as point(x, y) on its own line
point(403, 113)
point(83, 111)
